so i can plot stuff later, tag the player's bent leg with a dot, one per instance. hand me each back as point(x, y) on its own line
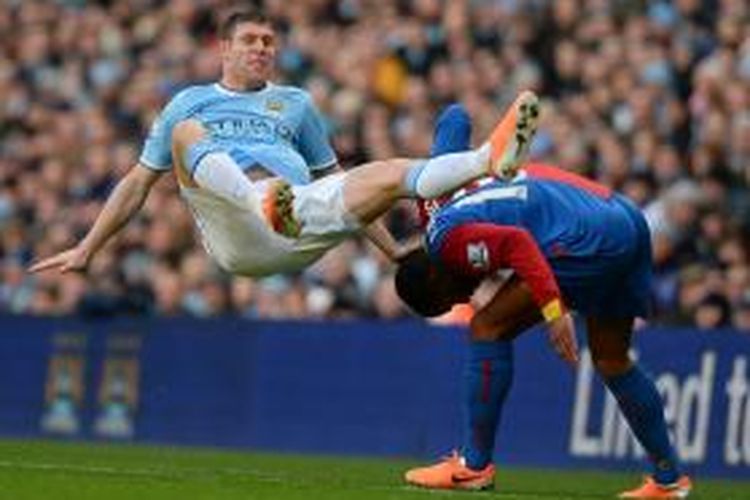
point(489, 372)
point(609, 343)
point(501, 155)
point(488, 376)
point(510, 312)
point(640, 404)
point(184, 134)
point(452, 131)
point(201, 162)
point(371, 189)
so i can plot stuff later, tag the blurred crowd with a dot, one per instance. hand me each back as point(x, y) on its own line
point(650, 97)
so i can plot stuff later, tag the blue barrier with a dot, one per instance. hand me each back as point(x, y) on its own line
point(356, 387)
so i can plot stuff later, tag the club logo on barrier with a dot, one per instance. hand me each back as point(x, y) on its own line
point(118, 389)
point(64, 388)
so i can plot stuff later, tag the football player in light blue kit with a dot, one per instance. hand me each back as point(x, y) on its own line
point(274, 129)
point(248, 155)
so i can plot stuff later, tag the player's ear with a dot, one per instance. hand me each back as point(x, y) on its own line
point(225, 44)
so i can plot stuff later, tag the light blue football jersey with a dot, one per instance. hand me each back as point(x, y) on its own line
point(277, 127)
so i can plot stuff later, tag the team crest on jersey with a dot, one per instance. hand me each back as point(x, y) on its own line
point(276, 106)
point(478, 256)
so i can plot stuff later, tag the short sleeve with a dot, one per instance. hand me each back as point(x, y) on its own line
point(157, 148)
point(312, 141)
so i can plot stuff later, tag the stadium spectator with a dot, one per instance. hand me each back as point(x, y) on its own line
point(256, 168)
point(651, 95)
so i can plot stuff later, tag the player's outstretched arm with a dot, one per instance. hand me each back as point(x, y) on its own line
point(123, 203)
point(378, 233)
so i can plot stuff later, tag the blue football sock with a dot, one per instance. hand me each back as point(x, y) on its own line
point(488, 377)
point(643, 408)
point(452, 132)
point(452, 135)
point(489, 370)
point(452, 162)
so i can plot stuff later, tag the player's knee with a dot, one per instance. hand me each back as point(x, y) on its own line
point(612, 367)
point(187, 132)
point(456, 115)
point(484, 328)
point(231, 262)
point(391, 173)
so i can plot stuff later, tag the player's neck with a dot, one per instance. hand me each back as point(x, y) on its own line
point(239, 85)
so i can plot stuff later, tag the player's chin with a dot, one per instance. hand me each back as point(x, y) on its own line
point(261, 70)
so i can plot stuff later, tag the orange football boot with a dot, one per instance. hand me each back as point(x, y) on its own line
point(510, 141)
point(452, 474)
point(278, 208)
point(651, 489)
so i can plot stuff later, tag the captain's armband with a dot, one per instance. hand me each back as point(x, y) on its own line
point(553, 310)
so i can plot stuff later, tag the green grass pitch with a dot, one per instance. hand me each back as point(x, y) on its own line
point(32, 470)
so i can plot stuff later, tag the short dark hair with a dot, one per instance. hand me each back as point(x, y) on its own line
point(245, 15)
point(427, 288)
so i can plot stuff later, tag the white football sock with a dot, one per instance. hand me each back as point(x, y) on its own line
point(219, 173)
point(442, 174)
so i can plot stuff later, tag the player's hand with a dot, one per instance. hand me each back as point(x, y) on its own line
point(75, 259)
point(562, 334)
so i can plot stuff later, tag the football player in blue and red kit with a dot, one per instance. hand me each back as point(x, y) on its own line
point(574, 245)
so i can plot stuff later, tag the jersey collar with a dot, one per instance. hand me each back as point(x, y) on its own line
point(221, 88)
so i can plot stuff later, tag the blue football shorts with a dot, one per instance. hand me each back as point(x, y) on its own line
point(611, 286)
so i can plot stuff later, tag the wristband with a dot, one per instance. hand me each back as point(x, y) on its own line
point(552, 310)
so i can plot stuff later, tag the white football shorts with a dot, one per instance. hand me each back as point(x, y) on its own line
point(242, 241)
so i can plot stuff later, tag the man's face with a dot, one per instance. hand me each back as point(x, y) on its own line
point(250, 51)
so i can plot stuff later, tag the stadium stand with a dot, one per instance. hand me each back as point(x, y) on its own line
point(649, 97)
